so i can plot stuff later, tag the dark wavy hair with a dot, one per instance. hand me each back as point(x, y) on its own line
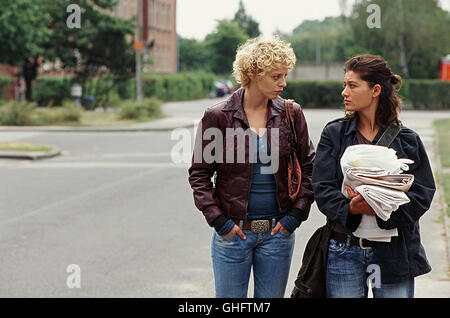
point(374, 70)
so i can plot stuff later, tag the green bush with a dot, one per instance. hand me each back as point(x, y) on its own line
point(126, 89)
point(311, 94)
point(52, 91)
point(17, 113)
point(102, 88)
point(426, 93)
point(67, 113)
point(149, 108)
point(177, 87)
point(24, 113)
point(417, 93)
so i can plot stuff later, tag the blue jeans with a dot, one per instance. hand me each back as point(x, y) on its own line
point(349, 270)
point(233, 258)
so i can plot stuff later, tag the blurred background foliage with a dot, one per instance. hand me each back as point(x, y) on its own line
point(412, 38)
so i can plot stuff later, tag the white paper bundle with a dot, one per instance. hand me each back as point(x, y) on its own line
point(376, 173)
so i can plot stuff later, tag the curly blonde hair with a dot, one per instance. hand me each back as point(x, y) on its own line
point(260, 55)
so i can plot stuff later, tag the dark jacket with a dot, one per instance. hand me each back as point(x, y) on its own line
point(404, 257)
point(228, 197)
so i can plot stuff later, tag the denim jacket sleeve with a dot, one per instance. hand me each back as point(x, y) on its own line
point(325, 183)
point(423, 188)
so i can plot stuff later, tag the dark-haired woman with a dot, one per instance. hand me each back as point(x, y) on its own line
point(372, 105)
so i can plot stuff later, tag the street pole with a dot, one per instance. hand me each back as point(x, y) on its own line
point(138, 53)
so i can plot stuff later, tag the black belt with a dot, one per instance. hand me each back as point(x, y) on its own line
point(361, 242)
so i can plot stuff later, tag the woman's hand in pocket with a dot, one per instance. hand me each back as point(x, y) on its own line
point(236, 230)
point(279, 227)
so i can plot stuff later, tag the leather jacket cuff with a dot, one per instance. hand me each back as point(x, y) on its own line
point(219, 222)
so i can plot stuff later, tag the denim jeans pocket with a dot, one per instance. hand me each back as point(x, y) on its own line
point(337, 247)
point(282, 235)
point(226, 240)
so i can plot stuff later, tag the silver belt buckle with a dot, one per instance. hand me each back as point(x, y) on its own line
point(260, 226)
point(362, 245)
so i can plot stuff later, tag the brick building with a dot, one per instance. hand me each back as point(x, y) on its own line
point(158, 32)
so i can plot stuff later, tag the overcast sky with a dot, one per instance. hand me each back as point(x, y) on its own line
point(197, 18)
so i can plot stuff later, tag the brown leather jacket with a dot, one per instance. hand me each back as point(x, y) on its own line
point(229, 195)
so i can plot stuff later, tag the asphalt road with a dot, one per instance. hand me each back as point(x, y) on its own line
point(117, 206)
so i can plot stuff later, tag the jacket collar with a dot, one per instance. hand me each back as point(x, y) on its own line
point(353, 124)
point(352, 128)
point(235, 103)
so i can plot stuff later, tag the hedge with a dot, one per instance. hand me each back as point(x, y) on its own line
point(426, 93)
point(177, 87)
point(170, 87)
point(166, 87)
point(311, 94)
point(416, 93)
point(51, 91)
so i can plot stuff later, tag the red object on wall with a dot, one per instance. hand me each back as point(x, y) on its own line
point(445, 68)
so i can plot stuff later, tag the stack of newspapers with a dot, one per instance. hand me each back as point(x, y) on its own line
point(377, 174)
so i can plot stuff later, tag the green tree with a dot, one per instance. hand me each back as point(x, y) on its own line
point(330, 36)
point(222, 45)
point(101, 41)
point(38, 28)
point(23, 32)
point(193, 55)
point(246, 22)
point(413, 35)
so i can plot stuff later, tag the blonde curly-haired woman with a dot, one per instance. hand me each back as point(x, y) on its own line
point(248, 204)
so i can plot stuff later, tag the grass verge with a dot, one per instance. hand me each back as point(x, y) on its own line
point(443, 131)
point(24, 146)
point(126, 113)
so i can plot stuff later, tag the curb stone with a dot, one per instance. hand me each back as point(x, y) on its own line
point(30, 155)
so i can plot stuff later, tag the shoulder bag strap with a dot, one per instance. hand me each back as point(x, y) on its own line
point(389, 135)
point(289, 104)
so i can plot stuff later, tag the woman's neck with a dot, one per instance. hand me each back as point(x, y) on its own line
point(367, 121)
point(254, 100)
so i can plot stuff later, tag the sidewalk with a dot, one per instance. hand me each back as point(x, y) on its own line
point(165, 124)
point(434, 225)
